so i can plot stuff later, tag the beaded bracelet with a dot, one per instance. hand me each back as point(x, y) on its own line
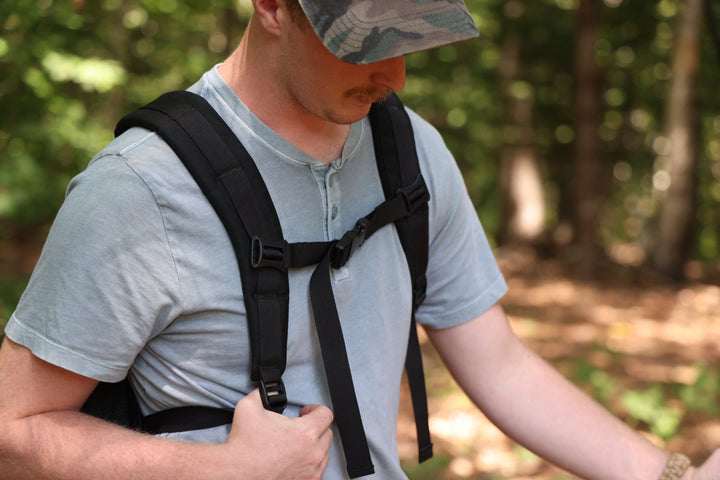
point(676, 466)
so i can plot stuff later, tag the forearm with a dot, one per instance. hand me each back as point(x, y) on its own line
point(74, 446)
point(539, 409)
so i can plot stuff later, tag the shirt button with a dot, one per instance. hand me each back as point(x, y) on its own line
point(334, 212)
point(331, 181)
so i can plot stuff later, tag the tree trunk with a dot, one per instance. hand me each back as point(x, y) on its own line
point(586, 164)
point(524, 203)
point(677, 196)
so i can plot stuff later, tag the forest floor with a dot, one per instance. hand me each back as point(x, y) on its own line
point(645, 348)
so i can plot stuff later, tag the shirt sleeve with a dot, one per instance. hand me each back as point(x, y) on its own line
point(463, 277)
point(105, 282)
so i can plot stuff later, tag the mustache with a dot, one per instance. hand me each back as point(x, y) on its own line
point(373, 94)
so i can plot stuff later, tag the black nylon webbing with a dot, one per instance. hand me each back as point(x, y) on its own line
point(337, 371)
point(185, 419)
point(397, 162)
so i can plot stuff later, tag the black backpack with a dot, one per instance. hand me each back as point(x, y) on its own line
point(230, 180)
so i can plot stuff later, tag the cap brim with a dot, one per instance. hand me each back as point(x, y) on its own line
point(367, 31)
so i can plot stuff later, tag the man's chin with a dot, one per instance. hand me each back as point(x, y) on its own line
point(351, 115)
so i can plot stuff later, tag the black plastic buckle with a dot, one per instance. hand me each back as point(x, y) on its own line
point(415, 195)
point(351, 241)
point(269, 254)
point(273, 395)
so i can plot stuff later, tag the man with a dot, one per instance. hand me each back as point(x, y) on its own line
point(137, 275)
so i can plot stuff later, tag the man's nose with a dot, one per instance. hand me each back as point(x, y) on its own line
point(390, 73)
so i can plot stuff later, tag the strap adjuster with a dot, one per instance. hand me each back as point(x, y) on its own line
point(269, 254)
point(415, 195)
point(273, 395)
point(351, 241)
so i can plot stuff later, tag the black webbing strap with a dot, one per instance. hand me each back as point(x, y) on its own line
point(337, 371)
point(398, 166)
point(230, 180)
point(185, 419)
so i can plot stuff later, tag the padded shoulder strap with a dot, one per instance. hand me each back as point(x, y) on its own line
point(231, 182)
point(398, 166)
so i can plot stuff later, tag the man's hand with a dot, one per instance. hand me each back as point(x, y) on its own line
point(282, 447)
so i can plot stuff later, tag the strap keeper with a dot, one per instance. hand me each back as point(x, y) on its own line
point(273, 395)
point(269, 254)
point(351, 241)
point(415, 195)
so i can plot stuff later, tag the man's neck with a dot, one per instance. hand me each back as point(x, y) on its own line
point(252, 81)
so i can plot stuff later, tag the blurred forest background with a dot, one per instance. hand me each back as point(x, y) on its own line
point(588, 132)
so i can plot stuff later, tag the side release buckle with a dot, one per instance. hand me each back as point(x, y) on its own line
point(273, 395)
point(351, 241)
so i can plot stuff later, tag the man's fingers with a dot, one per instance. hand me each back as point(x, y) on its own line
point(319, 414)
point(293, 447)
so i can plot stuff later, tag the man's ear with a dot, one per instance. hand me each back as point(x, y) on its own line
point(267, 12)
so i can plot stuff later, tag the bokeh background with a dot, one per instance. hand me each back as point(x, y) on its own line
point(588, 132)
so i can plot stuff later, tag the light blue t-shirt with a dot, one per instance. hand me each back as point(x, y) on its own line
point(138, 276)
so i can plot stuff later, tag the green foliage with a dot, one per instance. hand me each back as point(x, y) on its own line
point(459, 89)
point(71, 69)
point(651, 407)
point(704, 395)
point(428, 470)
point(597, 381)
point(661, 407)
point(10, 291)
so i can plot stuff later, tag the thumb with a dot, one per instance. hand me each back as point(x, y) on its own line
point(253, 396)
point(251, 401)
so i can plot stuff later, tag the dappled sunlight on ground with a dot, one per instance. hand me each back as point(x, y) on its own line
point(645, 348)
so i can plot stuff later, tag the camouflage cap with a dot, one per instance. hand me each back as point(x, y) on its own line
point(366, 31)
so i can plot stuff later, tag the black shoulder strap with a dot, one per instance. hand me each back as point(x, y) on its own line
point(230, 180)
point(398, 165)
